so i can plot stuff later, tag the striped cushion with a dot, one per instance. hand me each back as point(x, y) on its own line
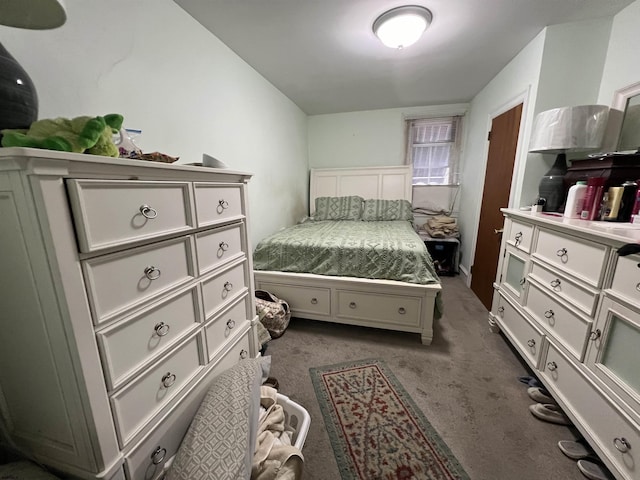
point(376, 210)
point(338, 208)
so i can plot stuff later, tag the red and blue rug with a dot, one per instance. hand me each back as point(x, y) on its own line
point(376, 430)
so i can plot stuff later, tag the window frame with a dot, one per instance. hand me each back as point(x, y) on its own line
point(453, 161)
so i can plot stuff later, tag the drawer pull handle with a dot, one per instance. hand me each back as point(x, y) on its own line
point(522, 280)
point(228, 286)
point(518, 238)
point(158, 455)
point(223, 204)
point(168, 379)
point(552, 366)
point(562, 252)
point(531, 343)
point(402, 311)
point(161, 329)
point(243, 354)
point(314, 301)
point(152, 273)
point(549, 313)
point(638, 286)
point(352, 305)
point(621, 444)
point(148, 212)
point(556, 283)
point(231, 323)
point(500, 310)
point(224, 246)
point(595, 334)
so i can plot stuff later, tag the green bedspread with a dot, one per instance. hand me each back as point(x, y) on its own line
point(388, 250)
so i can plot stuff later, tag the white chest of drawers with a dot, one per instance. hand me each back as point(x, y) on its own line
point(126, 288)
point(571, 307)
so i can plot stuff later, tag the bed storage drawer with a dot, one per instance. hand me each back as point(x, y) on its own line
point(301, 299)
point(379, 308)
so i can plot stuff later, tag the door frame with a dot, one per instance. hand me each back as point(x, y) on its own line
point(518, 165)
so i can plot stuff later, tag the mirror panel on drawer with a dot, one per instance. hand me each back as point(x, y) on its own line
point(216, 247)
point(585, 260)
point(626, 279)
point(563, 324)
point(110, 213)
point(137, 340)
point(217, 203)
point(527, 337)
point(614, 351)
point(301, 299)
point(607, 425)
point(141, 399)
point(514, 271)
point(140, 274)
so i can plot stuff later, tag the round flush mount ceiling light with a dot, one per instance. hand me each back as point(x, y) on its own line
point(402, 26)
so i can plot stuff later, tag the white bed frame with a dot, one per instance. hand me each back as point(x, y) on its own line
point(387, 304)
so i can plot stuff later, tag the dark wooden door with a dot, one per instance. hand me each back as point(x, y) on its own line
point(503, 140)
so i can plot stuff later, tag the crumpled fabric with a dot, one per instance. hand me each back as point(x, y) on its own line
point(442, 226)
point(275, 458)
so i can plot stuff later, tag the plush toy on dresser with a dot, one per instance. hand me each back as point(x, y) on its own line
point(92, 135)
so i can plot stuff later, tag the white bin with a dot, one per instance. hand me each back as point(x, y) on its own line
point(296, 418)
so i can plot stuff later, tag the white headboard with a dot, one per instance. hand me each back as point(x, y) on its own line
point(387, 183)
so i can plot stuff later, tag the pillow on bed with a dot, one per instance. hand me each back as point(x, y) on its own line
point(376, 210)
point(338, 208)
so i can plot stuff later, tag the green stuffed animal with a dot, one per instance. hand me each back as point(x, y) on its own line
point(93, 135)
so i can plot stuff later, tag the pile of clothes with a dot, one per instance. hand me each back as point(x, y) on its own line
point(441, 226)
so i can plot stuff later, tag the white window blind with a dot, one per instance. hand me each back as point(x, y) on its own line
point(433, 150)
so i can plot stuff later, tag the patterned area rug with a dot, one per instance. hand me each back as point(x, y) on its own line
point(376, 430)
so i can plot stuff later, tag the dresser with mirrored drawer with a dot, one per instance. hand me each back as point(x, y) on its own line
point(126, 289)
point(570, 305)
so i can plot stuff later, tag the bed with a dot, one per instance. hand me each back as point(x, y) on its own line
point(406, 300)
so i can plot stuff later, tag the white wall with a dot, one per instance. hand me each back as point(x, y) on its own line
point(189, 94)
point(621, 66)
point(516, 83)
point(366, 138)
point(374, 138)
point(560, 67)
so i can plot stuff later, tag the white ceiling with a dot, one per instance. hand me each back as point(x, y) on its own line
point(322, 54)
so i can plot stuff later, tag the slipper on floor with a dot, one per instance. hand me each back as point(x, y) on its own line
point(540, 395)
point(574, 450)
point(549, 413)
point(530, 381)
point(593, 470)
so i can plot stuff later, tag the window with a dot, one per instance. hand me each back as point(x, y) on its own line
point(433, 150)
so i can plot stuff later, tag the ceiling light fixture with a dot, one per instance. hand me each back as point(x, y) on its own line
point(402, 26)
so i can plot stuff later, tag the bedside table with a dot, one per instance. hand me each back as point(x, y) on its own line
point(444, 251)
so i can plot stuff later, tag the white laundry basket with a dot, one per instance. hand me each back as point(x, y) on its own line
point(296, 418)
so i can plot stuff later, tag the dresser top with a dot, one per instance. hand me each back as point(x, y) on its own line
point(609, 232)
point(37, 161)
